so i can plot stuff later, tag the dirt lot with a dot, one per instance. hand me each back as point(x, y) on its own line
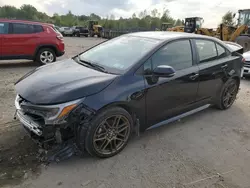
point(209, 149)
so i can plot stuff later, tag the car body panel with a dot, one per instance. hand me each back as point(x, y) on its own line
point(170, 96)
point(20, 44)
point(75, 81)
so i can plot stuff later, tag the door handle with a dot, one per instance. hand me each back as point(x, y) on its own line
point(224, 66)
point(194, 76)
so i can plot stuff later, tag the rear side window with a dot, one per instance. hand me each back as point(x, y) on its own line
point(19, 28)
point(4, 28)
point(206, 50)
point(221, 51)
point(37, 28)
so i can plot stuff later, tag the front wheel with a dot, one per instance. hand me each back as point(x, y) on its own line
point(228, 94)
point(108, 133)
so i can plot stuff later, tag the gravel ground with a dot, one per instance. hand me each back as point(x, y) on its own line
point(209, 149)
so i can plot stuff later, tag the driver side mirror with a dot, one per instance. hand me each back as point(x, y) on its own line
point(164, 71)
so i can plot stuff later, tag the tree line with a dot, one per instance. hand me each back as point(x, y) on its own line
point(145, 20)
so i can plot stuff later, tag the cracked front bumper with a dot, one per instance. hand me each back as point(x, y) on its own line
point(30, 124)
point(57, 138)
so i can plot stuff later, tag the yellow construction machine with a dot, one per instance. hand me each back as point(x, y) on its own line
point(94, 28)
point(169, 27)
point(165, 26)
point(239, 34)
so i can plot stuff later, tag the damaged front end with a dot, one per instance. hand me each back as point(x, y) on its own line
point(54, 128)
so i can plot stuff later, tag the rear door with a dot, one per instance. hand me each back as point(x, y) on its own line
point(23, 39)
point(214, 62)
point(4, 30)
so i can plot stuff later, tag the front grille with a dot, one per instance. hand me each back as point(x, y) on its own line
point(34, 122)
point(29, 123)
point(247, 64)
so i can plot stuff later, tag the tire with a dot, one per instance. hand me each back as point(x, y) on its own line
point(43, 52)
point(221, 100)
point(244, 41)
point(96, 126)
point(92, 34)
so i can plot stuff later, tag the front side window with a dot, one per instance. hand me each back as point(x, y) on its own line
point(19, 28)
point(206, 50)
point(120, 53)
point(4, 28)
point(177, 54)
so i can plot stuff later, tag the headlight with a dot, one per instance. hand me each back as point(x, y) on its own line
point(51, 113)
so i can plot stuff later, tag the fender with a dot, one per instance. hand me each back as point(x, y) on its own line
point(45, 46)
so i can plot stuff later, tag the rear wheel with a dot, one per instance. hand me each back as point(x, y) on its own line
point(227, 95)
point(108, 133)
point(46, 56)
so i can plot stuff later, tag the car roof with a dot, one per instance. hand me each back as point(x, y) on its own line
point(167, 35)
point(24, 21)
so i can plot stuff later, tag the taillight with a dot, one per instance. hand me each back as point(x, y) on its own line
point(59, 37)
point(243, 60)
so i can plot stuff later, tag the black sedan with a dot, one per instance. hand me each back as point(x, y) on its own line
point(97, 99)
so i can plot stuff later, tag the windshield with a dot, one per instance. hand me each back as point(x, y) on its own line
point(189, 23)
point(119, 54)
point(244, 18)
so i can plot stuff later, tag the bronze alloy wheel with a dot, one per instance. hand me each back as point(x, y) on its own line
point(111, 134)
point(229, 94)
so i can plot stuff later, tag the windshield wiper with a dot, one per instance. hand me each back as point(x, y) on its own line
point(94, 65)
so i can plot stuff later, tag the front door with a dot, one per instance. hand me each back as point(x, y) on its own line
point(167, 97)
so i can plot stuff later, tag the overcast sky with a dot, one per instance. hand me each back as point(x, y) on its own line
point(210, 10)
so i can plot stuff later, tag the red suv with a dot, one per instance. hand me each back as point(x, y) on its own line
point(40, 42)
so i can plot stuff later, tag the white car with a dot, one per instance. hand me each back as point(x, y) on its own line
point(246, 68)
point(68, 31)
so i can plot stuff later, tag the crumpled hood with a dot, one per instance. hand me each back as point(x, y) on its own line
point(61, 82)
point(246, 55)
